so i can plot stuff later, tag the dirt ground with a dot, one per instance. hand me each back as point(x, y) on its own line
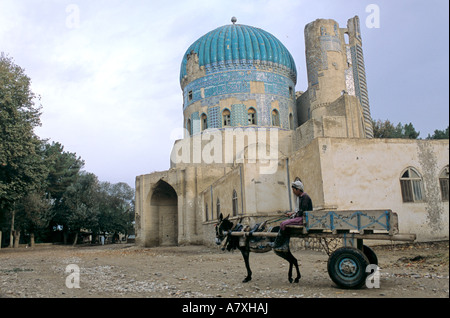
point(124, 270)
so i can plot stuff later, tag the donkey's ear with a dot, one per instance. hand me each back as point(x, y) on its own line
point(220, 217)
point(227, 217)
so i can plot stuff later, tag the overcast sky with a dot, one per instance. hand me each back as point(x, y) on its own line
point(108, 70)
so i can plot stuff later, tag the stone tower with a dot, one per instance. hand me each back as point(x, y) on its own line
point(335, 67)
point(356, 68)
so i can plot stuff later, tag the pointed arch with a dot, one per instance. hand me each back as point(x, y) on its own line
point(163, 217)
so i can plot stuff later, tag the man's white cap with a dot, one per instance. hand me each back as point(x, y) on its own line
point(298, 185)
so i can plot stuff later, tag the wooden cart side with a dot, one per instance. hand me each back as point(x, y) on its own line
point(359, 221)
point(351, 225)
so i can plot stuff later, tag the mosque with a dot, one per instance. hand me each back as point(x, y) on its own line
point(249, 134)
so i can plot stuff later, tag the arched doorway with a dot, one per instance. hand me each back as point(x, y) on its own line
point(164, 212)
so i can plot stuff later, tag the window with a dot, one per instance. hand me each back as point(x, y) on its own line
point(411, 185)
point(235, 203)
point(188, 127)
point(226, 118)
point(206, 211)
point(275, 118)
point(251, 116)
point(204, 122)
point(190, 96)
point(291, 122)
point(218, 207)
point(443, 182)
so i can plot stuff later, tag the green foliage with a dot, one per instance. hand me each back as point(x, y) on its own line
point(21, 170)
point(385, 129)
point(116, 207)
point(439, 134)
point(33, 212)
point(41, 185)
point(79, 207)
point(63, 169)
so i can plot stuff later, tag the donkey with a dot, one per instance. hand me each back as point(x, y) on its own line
point(223, 229)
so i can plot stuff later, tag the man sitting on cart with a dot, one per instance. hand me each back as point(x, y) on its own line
point(303, 203)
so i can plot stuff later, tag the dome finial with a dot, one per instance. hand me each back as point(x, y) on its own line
point(233, 20)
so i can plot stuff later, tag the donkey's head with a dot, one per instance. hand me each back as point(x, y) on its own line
point(224, 225)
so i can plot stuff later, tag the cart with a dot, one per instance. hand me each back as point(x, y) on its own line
point(347, 265)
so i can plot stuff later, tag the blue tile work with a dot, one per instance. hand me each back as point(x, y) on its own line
point(313, 65)
point(330, 43)
point(214, 118)
point(231, 46)
point(327, 43)
point(195, 123)
point(317, 58)
point(234, 56)
point(236, 84)
point(239, 115)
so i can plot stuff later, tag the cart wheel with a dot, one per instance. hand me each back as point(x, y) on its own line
point(347, 267)
point(370, 254)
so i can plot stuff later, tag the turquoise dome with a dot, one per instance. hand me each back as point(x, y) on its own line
point(240, 46)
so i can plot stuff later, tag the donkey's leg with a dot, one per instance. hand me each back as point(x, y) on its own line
point(292, 262)
point(295, 262)
point(290, 273)
point(285, 255)
point(246, 254)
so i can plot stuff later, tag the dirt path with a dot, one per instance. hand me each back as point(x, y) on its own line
point(122, 270)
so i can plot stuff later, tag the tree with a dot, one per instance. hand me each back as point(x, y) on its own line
point(79, 205)
point(21, 169)
point(116, 207)
point(63, 169)
point(33, 214)
point(439, 134)
point(385, 129)
point(408, 131)
point(41, 185)
point(32, 211)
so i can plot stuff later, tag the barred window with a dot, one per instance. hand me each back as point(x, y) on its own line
point(235, 203)
point(226, 118)
point(275, 118)
point(204, 122)
point(443, 182)
point(411, 185)
point(251, 116)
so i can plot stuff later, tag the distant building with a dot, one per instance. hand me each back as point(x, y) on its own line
point(249, 135)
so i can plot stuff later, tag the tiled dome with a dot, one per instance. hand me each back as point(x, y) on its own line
point(234, 46)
